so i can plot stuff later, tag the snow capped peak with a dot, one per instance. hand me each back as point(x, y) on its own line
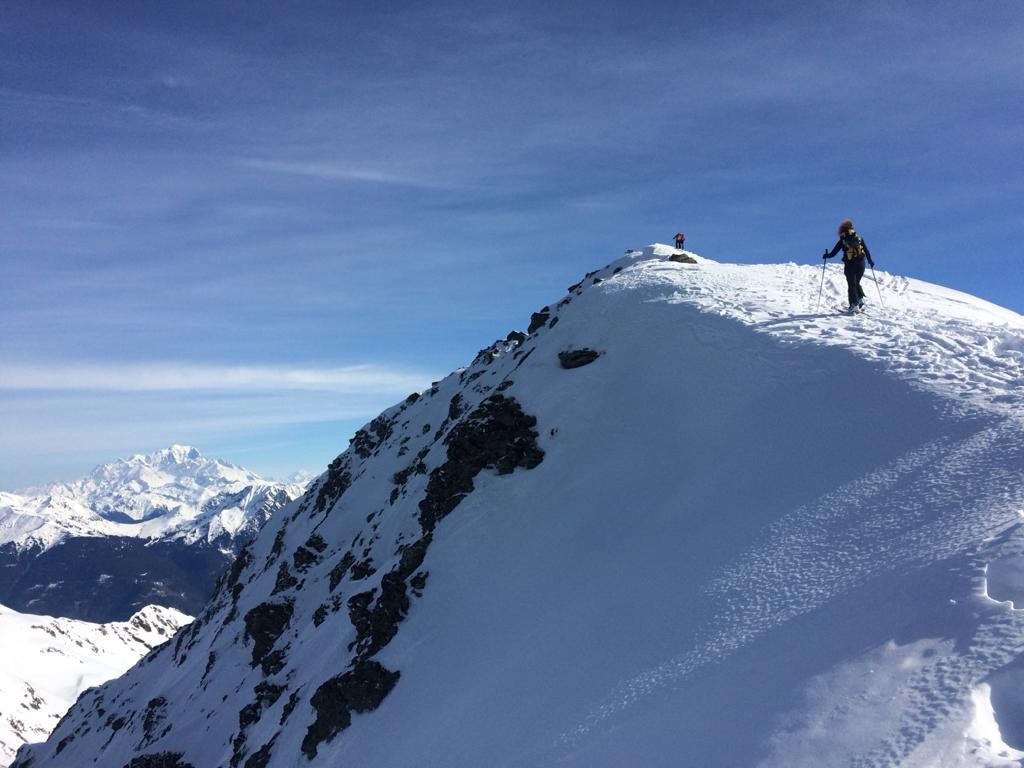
point(175, 491)
point(173, 462)
point(176, 454)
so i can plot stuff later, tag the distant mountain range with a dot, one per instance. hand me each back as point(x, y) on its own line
point(155, 528)
point(45, 663)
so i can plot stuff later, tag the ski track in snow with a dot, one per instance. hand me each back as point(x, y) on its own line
point(949, 352)
point(882, 522)
point(935, 502)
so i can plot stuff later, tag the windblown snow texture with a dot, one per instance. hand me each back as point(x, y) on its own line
point(731, 531)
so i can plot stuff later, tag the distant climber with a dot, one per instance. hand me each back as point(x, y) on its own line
point(854, 252)
point(680, 240)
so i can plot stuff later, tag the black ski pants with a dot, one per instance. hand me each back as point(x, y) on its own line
point(854, 271)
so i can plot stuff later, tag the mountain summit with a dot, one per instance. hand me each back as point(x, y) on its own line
point(684, 520)
point(154, 528)
point(169, 494)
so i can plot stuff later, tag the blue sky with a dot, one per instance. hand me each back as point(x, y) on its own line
point(251, 226)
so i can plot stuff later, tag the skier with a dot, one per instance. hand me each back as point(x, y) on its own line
point(854, 253)
point(680, 239)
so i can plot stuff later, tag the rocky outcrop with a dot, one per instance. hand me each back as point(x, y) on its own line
point(577, 358)
point(159, 760)
point(264, 624)
point(497, 435)
point(682, 258)
point(538, 320)
point(361, 689)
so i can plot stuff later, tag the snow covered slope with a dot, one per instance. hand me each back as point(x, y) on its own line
point(175, 493)
point(687, 520)
point(45, 663)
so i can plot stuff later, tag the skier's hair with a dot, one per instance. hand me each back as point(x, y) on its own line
point(846, 226)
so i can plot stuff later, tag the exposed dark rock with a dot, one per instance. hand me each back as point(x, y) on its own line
point(361, 689)
point(285, 580)
point(412, 398)
point(316, 542)
point(320, 615)
point(159, 760)
point(340, 569)
point(304, 557)
point(538, 320)
point(418, 582)
point(413, 555)
point(455, 407)
point(366, 441)
point(484, 357)
point(276, 548)
point(376, 627)
point(339, 478)
point(554, 322)
point(363, 569)
point(682, 258)
point(401, 476)
point(577, 358)
point(211, 659)
point(266, 695)
point(496, 435)
point(289, 706)
point(504, 385)
point(274, 661)
point(264, 624)
point(517, 336)
point(525, 355)
point(156, 712)
point(261, 758)
point(360, 616)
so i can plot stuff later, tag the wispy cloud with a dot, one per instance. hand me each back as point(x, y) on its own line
point(53, 109)
point(168, 377)
point(333, 172)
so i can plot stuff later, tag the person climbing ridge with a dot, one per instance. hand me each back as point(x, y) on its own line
point(680, 240)
point(855, 251)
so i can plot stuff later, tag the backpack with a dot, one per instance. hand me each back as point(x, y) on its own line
point(853, 246)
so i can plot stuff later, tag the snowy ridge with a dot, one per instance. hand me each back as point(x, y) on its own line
point(683, 515)
point(174, 493)
point(46, 662)
point(950, 342)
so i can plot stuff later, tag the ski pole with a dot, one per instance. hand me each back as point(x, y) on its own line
point(818, 305)
point(880, 302)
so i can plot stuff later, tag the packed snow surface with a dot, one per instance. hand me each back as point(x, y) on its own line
point(746, 531)
point(174, 493)
point(46, 662)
